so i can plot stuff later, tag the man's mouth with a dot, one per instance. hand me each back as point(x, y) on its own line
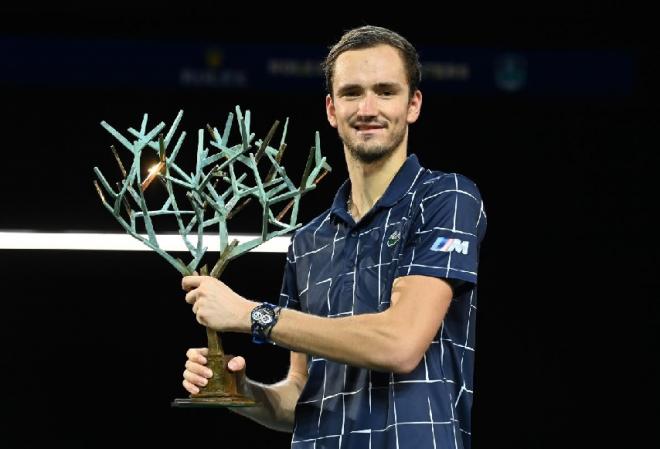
point(368, 127)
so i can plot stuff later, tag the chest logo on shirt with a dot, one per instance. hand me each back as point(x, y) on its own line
point(446, 245)
point(393, 239)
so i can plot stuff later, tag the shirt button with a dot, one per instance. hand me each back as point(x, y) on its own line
point(353, 233)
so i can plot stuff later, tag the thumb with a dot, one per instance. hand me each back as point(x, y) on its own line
point(236, 364)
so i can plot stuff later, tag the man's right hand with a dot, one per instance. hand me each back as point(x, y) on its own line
point(196, 374)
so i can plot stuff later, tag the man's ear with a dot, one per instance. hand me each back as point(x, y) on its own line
point(414, 107)
point(330, 111)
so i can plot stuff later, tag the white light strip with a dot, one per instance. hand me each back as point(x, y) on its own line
point(122, 242)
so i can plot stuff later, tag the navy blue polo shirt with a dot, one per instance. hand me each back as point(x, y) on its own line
point(426, 223)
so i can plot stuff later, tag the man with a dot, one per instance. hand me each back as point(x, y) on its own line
point(379, 292)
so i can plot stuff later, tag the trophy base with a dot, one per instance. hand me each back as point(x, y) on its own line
point(226, 401)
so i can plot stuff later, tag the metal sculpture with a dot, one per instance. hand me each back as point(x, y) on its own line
point(226, 178)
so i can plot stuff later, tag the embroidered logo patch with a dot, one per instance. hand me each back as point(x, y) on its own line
point(446, 245)
point(393, 239)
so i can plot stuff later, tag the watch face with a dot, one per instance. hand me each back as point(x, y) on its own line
point(264, 316)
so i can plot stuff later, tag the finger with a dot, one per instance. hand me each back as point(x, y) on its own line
point(190, 282)
point(199, 370)
point(190, 387)
point(191, 297)
point(197, 355)
point(236, 364)
point(195, 379)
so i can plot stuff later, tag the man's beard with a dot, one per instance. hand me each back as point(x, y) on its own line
point(369, 154)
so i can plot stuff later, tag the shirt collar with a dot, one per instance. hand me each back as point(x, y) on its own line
point(400, 185)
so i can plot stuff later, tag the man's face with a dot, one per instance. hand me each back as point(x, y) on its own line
point(370, 106)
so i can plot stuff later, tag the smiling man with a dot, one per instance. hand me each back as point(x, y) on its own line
point(373, 104)
point(379, 295)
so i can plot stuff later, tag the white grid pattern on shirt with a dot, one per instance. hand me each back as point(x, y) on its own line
point(378, 266)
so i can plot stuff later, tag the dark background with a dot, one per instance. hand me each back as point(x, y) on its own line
point(93, 343)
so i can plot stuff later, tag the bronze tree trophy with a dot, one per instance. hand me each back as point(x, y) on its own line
point(226, 178)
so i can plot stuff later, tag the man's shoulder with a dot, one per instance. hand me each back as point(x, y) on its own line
point(434, 182)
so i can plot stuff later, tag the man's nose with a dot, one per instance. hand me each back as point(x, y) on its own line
point(368, 105)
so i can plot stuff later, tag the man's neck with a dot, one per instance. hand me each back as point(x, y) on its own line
point(369, 181)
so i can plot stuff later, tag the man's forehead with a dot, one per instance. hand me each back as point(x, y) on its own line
point(375, 65)
point(383, 54)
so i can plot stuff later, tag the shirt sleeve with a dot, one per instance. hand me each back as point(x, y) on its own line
point(289, 293)
point(445, 233)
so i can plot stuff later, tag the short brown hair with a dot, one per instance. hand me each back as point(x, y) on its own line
point(369, 36)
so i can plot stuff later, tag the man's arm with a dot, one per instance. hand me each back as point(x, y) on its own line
point(277, 402)
point(394, 340)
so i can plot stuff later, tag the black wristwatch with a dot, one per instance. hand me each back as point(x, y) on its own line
point(264, 317)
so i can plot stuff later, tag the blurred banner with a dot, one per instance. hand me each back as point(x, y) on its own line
point(29, 61)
